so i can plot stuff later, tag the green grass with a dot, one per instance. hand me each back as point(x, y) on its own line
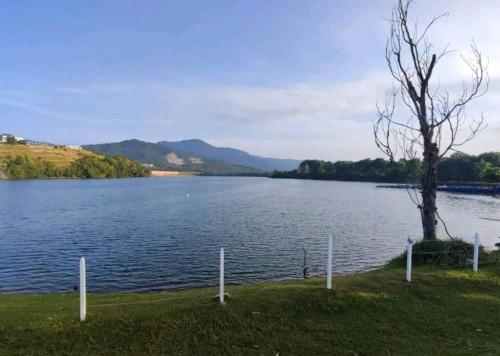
point(59, 156)
point(442, 312)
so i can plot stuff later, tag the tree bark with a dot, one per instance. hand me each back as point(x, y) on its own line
point(429, 185)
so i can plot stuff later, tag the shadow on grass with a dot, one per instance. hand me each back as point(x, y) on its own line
point(372, 313)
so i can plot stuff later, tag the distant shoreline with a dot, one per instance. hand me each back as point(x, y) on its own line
point(464, 188)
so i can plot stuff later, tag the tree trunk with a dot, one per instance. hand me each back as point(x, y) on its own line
point(429, 184)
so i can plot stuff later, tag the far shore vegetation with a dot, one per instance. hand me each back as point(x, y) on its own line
point(459, 167)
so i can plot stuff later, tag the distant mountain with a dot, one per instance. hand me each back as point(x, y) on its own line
point(165, 157)
point(140, 151)
point(204, 150)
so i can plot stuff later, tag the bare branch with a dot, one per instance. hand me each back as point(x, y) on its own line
point(438, 122)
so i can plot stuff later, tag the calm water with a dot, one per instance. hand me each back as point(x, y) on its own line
point(163, 233)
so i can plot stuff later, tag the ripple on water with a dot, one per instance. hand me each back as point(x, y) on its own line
point(165, 233)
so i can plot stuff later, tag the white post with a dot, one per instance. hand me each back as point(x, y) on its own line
point(409, 253)
point(83, 291)
point(221, 277)
point(329, 264)
point(476, 252)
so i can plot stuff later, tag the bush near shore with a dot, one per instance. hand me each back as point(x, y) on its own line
point(89, 166)
point(450, 253)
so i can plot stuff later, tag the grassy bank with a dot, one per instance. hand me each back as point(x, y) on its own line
point(58, 156)
point(442, 312)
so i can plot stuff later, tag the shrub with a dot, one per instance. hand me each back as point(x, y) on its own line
point(451, 253)
point(22, 167)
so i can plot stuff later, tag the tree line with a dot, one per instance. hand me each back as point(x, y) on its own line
point(22, 167)
point(458, 167)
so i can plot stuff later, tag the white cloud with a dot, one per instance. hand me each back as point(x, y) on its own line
point(301, 120)
point(262, 104)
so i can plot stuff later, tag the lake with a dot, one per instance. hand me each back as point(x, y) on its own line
point(165, 233)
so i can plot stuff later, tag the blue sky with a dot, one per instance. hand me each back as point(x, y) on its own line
point(278, 78)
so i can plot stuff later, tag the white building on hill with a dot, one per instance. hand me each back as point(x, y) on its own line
point(5, 137)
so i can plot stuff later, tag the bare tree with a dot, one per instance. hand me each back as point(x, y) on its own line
point(437, 123)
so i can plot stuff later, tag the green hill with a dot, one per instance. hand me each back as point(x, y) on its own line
point(20, 161)
point(234, 156)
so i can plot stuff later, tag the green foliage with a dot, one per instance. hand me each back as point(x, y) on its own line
point(467, 168)
point(107, 167)
point(377, 170)
point(22, 167)
point(487, 172)
point(456, 168)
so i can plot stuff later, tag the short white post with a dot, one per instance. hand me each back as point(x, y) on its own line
point(329, 264)
point(221, 277)
point(83, 291)
point(475, 262)
point(409, 253)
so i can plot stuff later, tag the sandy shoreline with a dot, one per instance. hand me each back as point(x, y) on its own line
point(171, 173)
